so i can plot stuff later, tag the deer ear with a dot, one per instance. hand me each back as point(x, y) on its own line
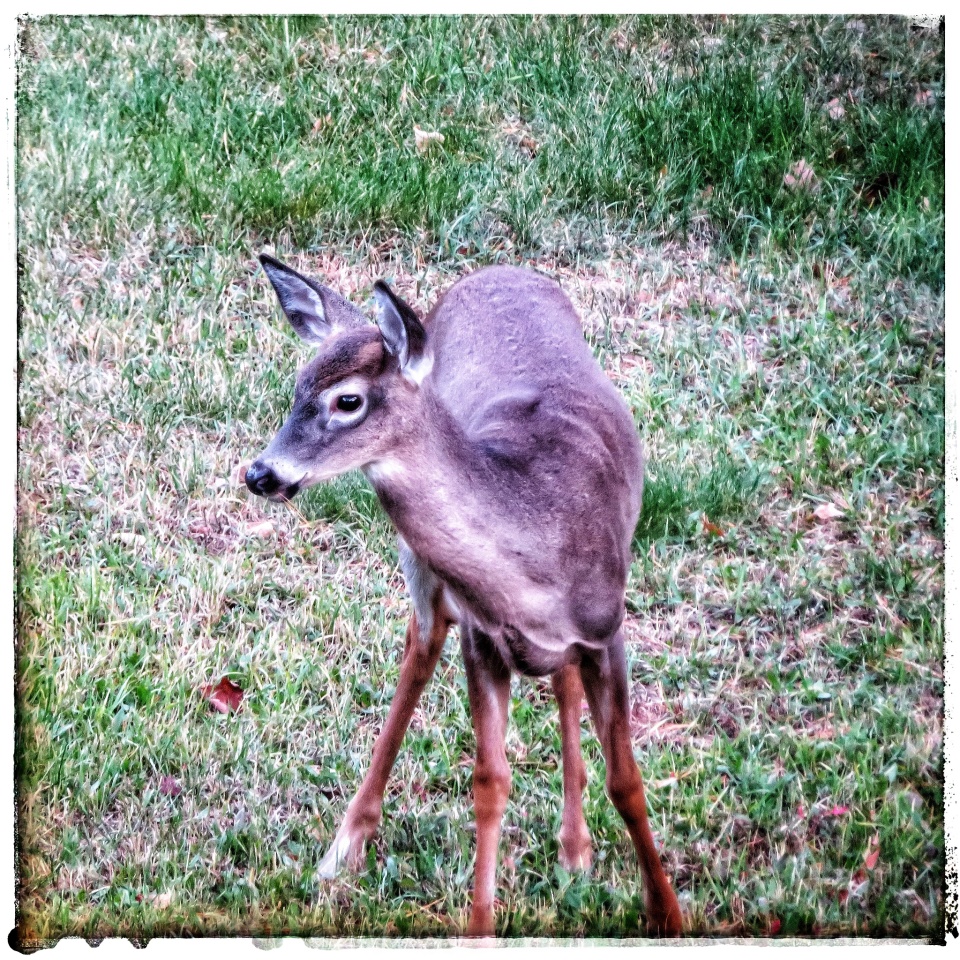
point(314, 311)
point(403, 334)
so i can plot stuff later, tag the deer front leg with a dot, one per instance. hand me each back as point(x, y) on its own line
point(575, 848)
point(420, 656)
point(488, 685)
point(605, 682)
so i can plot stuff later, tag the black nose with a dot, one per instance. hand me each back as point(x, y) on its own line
point(261, 479)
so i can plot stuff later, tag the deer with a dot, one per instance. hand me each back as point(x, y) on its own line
point(512, 470)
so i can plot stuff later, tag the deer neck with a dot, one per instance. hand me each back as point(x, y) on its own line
point(432, 487)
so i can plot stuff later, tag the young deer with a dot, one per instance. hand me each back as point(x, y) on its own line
point(513, 473)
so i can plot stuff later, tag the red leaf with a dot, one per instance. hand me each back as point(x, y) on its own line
point(226, 696)
point(775, 925)
point(872, 854)
point(710, 527)
point(170, 786)
point(838, 811)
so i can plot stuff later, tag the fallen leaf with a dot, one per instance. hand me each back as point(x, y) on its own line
point(322, 122)
point(858, 884)
point(159, 900)
point(170, 787)
point(923, 98)
point(528, 146)
point(838, 811)
point(801, 177)
point(240, 474)
point(710, 527)
point(775, 925)
point(872, 854)
point(225, 697)
point(663, 784)
point(263, 529)
point(827, 511)
point(835, 109)
point(424, 139)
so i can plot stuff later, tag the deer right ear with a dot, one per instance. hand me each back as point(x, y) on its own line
point(314, 311)
point(403, 334)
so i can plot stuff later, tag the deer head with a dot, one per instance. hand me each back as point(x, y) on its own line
point(355, 398)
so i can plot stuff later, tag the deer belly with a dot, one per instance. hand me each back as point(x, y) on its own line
point(533, 638)
point(524, 655)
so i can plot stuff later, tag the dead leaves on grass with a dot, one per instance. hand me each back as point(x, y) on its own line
point(170, 786)
point(519, 134)
point(861, 878)
point(263, 528)
point(834, 109)
point(827, 512)
point(425, 140)
point(224, 697)
point(710, 527)
point(801, 178)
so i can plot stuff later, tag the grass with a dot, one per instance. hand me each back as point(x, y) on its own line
point(781, 349)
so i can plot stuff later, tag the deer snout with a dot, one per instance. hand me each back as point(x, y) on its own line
point(261, 480)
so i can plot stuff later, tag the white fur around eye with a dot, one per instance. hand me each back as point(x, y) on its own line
point(348, 388)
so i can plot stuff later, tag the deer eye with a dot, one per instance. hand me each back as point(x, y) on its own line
point(349, 402)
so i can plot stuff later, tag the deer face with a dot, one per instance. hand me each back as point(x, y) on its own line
point(351, 398)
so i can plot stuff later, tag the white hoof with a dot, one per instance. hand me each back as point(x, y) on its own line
point(336, 856)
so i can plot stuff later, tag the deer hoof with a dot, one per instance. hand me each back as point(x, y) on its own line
point(481, 925)
point(346, 850)
point(665, 919)
point(576, 856)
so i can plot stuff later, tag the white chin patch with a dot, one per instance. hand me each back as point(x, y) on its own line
point(384, 470)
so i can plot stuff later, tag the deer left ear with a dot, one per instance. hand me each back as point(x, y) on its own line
point(314, 311)
point(403, 334)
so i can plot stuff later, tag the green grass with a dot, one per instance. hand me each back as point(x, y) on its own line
point(782, 352)
point(550, 125)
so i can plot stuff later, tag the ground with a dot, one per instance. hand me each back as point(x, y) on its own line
point(780, 344)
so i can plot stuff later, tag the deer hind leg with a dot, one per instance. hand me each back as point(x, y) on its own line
point(420, 656)
point(488, 685)
point(575, 848)
point(605, 682)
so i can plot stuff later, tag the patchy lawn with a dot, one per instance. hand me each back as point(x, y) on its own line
point(781, 347)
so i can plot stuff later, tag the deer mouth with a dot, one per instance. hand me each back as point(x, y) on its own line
point(285, 494)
